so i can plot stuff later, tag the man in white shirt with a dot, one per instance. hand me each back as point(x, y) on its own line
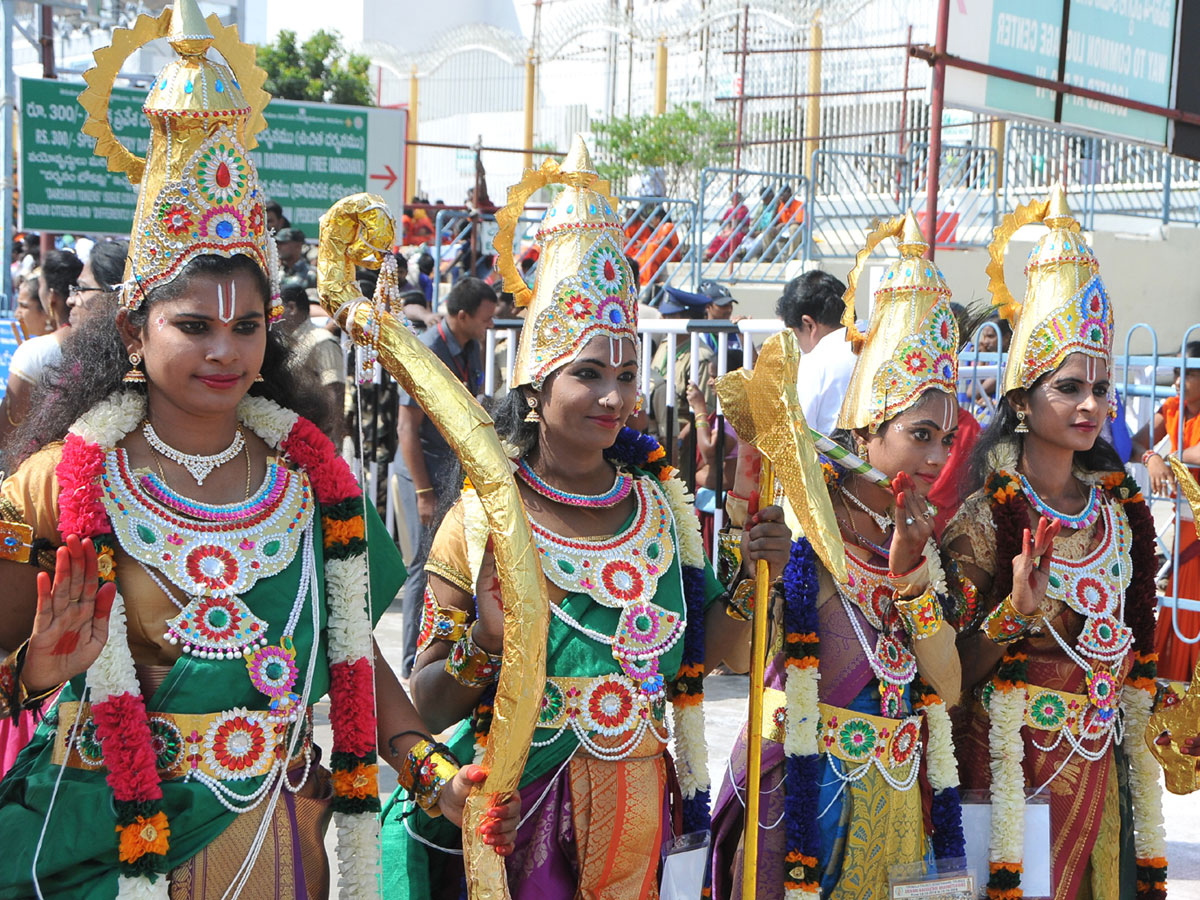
point(812, 307)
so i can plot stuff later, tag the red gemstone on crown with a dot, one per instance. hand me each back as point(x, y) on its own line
point(223, 175)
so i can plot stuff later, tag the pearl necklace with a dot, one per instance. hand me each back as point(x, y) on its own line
point(621, 486)
point(1083, 520)
point(198, 465)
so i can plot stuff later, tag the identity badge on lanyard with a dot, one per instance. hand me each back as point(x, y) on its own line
point(460, 365)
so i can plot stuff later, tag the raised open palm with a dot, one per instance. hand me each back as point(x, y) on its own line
point(71, 624)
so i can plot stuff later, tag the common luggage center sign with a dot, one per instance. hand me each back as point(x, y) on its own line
point(1121, 47)
point(310, 156)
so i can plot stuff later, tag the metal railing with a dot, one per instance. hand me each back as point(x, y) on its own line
point(751, 224)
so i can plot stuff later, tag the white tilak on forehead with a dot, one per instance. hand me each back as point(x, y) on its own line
point(615, 351)
point(225, 313)
point(1090, 368)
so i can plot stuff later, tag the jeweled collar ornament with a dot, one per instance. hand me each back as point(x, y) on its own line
point(584, 285)
point(621, 486)
point(1066, 309)
point(199, 190)
point(199, 465)
point(911, 344)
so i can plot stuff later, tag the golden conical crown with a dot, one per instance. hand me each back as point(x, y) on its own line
point(911, 343)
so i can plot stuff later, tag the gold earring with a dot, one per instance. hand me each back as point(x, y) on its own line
point(1021, 428)
point(532, 415)
point(258, 379)
point(135, 375)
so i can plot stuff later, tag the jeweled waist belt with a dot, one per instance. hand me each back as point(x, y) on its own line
point(851, 736)
point(1048, 709)
point(611, 718)
point(234, 745)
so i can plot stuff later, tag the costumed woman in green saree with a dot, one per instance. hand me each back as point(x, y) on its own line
point(209, 552)
point(855, 708)
point(1052, 559)
point(637, 616)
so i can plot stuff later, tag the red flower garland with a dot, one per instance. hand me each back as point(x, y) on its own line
point(308, 447)
point(123, 729)
point(353, 719)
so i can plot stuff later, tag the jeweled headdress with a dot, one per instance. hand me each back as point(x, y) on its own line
point(199, 189)
point(584, 285)
point(1066, 308)
point(911, 344)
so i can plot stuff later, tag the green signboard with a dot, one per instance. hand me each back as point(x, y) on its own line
point(1117, 47)
point(310, 156)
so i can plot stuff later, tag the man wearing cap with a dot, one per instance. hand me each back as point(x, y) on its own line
point(720, 308)
point(291, 256)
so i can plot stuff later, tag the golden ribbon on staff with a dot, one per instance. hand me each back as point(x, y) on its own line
point(1178, 714)
point(358, 230)
point(764, 409)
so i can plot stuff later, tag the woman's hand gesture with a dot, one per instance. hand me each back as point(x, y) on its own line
point(1162, 479)
point(499, 827)
point(1029, 580)
point(914, 526)
point(71, 625)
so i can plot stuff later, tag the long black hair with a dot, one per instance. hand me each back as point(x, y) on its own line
point(94, 365)
point(1101, 457)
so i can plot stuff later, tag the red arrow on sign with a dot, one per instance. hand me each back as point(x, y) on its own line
point(390, 177)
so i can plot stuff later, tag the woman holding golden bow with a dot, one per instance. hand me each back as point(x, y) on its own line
point(202, 549)
point(1053, 565)
point(636, 622)
point(857, 689)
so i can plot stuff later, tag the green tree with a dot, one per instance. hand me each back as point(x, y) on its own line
point(678, 144)
point(318, 70)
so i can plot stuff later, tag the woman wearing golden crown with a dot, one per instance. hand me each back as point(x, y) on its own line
point(634, 620)
point(209, 558)
point(1053, 563)
point(848, 739)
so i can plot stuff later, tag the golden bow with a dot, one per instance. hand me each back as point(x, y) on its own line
point(359, 229)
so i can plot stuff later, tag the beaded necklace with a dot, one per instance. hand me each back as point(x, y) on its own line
point(883, 521)
point(621, 486)
point(1083, 520)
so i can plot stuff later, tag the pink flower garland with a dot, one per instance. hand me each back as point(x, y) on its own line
point(123, 730)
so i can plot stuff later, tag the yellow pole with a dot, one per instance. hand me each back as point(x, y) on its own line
point(410, 170)
point(812, 107)
point(530, 82)
point(758, 664)
point(660, 77)
point(998, 145)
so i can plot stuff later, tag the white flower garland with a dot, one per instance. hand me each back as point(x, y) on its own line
point(942, 766)
point(1150, 837)
point(801, 731)
point(691, 746)
point(267, 419)
point(1007, 711)
point(349, 627)
point(113, 673)
point(358, 854)
point(111, 419)
point(142, 888)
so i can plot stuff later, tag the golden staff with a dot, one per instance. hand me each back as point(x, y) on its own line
point(758, 665)
point(764, 409)
point(359, 229)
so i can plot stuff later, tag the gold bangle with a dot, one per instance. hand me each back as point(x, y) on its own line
point(922, 615)
point(425, 772)
point(1006, 624)
point(469, 664)
point(439, 622)
point(427, 490)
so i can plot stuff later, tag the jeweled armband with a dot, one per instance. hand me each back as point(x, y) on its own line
point(1006, 624)
point(741, 601)
point(469, 664)
point(729, 556)
point(439, 622)
point(426, 770)
point(922, 615)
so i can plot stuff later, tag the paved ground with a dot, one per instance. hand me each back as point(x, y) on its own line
point(726, 712)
